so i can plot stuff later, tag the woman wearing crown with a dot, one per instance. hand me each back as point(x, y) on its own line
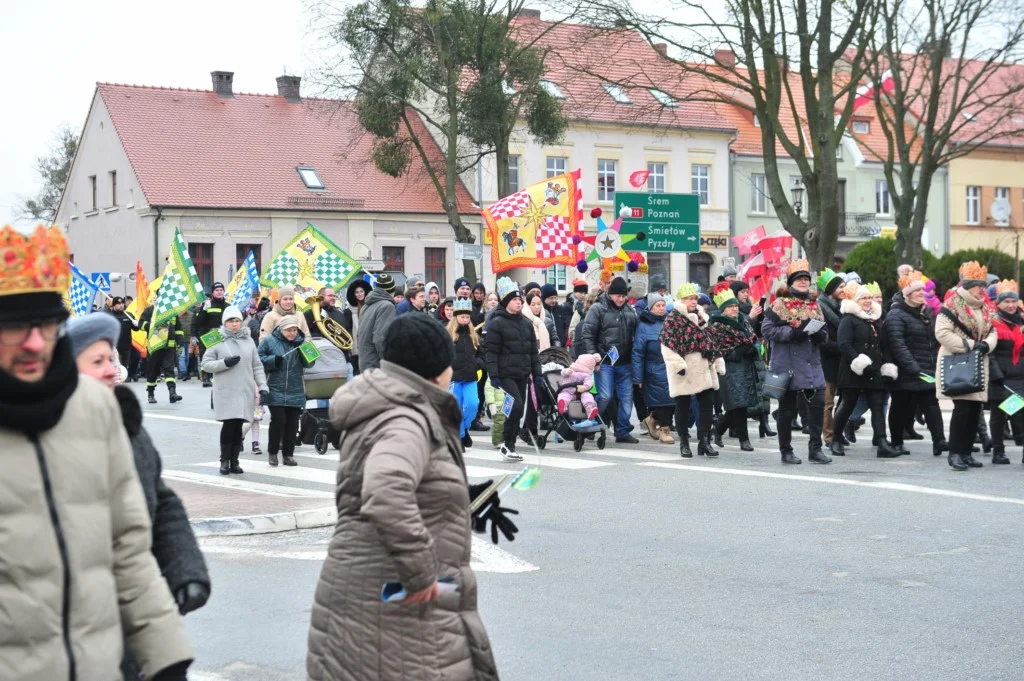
point(1007, 367)
point(796, 329)
point(965, 324)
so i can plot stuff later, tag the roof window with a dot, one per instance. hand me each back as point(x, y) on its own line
point(663, 97)
point(617, 93)
point(310, 177)
point(552, 89)
point(861, 127)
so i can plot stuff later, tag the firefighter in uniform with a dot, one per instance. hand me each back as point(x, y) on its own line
point(163, 352)
point(208, 319)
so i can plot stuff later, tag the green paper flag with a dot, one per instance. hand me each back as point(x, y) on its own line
point(309, 351)
point(527, 479)
point(928, 379)
point(1012, 404)
point(212, 338)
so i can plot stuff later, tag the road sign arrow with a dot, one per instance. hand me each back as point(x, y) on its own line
point(691, 238)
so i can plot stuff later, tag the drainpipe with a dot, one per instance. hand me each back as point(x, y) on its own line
point(732, 199)
point(949, 219)
point(156, 241)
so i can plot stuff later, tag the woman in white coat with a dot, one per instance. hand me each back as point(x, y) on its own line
point(239, 378)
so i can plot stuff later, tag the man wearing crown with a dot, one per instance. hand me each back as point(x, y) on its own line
point(77, 577)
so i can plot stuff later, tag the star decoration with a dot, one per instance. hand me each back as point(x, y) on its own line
point(534, 215)
point(306, 271)
point(607, 243)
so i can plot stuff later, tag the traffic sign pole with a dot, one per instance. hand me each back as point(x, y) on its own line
point(667, 223)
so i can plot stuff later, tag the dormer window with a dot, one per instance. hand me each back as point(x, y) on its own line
point(310, 177)
point(663, 97)
point(861, 127)
point(552, 89)
point(617, 93)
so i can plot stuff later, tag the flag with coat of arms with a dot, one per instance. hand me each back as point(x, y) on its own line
point(538, 226)
point(245, 281)
point(81, 293)
point(180, 287)
point(308, 263)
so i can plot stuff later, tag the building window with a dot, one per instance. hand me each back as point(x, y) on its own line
point(660, 264)
point(310, 177)
point(605, 180)
point(513, 173)
point(92, 192)
point(131, 199)
point(556, 165)
point(242, 252)
point(882, 205)
point(700, 268)
point(664, 98)
point(973, 205)
point(434, 264)
point(656, 179)
point(556, 277)
point(757, 121)
point(552, 89)
point(202, 260)
point(839, 151)
point(700, 182)
point(394, 258)
point(617, 93)
point(113, 187)
point(1004, 194)
point(861, 127)
point(758, 195)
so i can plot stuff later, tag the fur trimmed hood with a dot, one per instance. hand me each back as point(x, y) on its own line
point(854, 308)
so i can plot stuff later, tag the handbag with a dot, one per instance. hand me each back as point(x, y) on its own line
point(775, 385)
point(962, 374)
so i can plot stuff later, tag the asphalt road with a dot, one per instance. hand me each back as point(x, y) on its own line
point(651, 567)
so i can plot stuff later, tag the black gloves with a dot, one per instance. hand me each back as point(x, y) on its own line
point(798, 334)
point(264, 397)
point(232, 361)
point(492, 511)
point(191, 596)
point(478, 489)
point(982, 347)
point(278, 361)
point(495, 383)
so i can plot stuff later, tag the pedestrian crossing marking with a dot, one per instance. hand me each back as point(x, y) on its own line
point(234, 482)
point(325, 476)
point(531, 458)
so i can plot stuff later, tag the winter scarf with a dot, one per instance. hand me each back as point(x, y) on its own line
point(33, 408)
point(730, 334)
point(959, 303)
point(795, 310)
point(1008, 328)
point(688, 333)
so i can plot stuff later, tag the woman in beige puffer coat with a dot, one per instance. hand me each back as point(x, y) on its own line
point(403, 515)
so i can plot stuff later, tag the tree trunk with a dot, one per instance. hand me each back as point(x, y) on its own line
point(910, 222)
point(501, 169)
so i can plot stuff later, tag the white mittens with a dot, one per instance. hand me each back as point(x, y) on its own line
point(889, 370)
point(860, 363)
point(720, 366)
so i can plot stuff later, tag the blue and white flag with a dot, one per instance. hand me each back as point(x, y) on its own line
point(81, 293)
point(244, 283)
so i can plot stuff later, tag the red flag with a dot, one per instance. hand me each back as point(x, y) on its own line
point(778, 269)
point(639, 178)
point(759, 288)
point(745, 242)
point(774, 246)
point(865, 93)
point(751, 268)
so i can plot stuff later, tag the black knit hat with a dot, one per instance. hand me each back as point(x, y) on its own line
point(459, 283)
point(618, 287)
point(420, 344)
point(385, 282)
point(479, 286)
point(529, 287)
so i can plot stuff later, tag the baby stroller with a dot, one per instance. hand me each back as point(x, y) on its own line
point(329, 373)
point(573, 425)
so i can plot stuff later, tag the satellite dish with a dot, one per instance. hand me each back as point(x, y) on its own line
point(1000, 210)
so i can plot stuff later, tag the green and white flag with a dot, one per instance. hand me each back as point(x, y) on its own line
point(180, 288)
point(308, 263)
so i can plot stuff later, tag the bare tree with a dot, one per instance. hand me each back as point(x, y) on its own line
point(953, 89)
point(792, 63)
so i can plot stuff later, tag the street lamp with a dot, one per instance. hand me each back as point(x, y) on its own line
point(798, 195)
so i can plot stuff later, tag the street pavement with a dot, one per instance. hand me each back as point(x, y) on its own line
point(633, 563)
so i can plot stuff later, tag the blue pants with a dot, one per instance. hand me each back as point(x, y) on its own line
point(469, 401)
point(617, 380)
point(862, 406)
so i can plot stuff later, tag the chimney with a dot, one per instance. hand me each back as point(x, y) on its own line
point(288, 87)
point(529, 14)
point(662, 48)
point(726, 58)
point(222, 81)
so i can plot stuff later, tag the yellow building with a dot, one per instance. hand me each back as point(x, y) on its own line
point(977, 182)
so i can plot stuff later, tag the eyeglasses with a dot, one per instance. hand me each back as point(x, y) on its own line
point(16, 333)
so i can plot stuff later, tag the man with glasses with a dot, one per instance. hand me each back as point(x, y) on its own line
point(78, 577)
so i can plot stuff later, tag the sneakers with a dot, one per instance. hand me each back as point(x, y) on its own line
point(256, 449)
point(592, 414)
point(509, 455)
point(627, 439)
point(563, 404)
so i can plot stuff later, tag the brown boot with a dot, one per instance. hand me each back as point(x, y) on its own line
point(651, 428)
point(665, 436)
point(289, 461)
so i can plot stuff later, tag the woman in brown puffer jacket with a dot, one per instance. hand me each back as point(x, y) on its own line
point(403, 516)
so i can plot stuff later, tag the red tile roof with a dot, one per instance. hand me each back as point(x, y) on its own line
point(581, 59)
point(191, 148)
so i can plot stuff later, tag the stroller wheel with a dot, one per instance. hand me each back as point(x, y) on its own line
point(577, 444)
point(601, 441)
point(320, 442)
point(542, 441)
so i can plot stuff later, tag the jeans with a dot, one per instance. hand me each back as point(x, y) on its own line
point(183, 361)
point(618, 381)
point(862, 406)
point(848, 400)
point(466, 395)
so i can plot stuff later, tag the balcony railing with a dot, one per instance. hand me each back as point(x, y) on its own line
point(862, 225)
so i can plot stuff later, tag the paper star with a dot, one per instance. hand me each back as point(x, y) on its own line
point(607, 243)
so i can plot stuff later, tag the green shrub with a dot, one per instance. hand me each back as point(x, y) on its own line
point(875, 260)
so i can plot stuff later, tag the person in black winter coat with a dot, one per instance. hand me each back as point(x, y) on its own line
point(469, 362)
point(910, 345)
point(512, 358)
point(208, 319)
point(1006, 367)
point(830, 295)
point(611, 323)
point(863, 369)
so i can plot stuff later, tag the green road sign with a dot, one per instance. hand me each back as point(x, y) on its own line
point(661, 222)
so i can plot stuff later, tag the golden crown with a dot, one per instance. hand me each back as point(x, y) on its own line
point(34, 263)
point(972, 271)
point(1006, 286)
point(798, 266)
point(908, 279)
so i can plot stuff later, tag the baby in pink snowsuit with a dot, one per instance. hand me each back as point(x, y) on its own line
point(578, 379)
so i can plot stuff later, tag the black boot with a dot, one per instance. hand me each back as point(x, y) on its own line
point(765, 430)
point(910, 434)
point(207, 383)
point(956, 462)
point(939, 447)
point(849, 433)
point(684, 444)
point(234, 468)
point(887, 451)
point(837, 448)
point(172, 390)
point(225, 459)
point(704, 447)
point(467, 441)
point(720, 429)
point(789, 457)
point(971, 461)
point(151, 394)
point(999, 456)
point(818, 456)
point(272, 458)
point(746, 446)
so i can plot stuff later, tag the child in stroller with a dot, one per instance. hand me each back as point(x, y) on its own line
point(572, 422)
point(578, 380)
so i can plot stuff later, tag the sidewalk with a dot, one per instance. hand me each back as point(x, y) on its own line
point(220, 510)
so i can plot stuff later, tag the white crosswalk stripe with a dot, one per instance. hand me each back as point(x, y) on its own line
point(323, 476)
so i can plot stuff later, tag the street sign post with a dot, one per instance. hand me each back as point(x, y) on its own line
point(667, 223)
point(468, 251)
point(101, 279)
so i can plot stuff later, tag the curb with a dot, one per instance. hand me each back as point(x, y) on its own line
point(265, 524)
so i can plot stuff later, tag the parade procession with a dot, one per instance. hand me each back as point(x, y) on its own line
point(600, 343)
